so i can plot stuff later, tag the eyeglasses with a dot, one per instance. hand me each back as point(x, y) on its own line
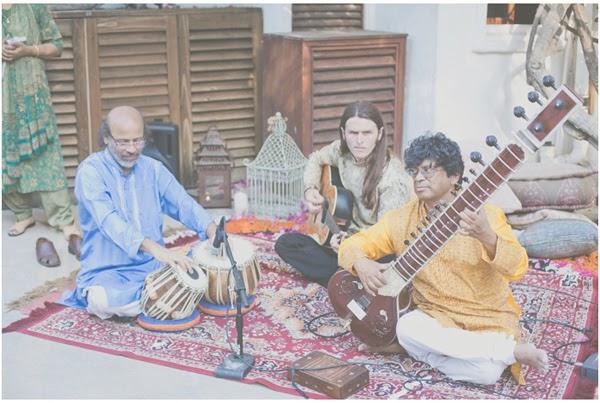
point(138, 143)
point(427, 171)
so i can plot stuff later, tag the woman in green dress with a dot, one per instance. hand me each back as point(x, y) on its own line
point(31, 152)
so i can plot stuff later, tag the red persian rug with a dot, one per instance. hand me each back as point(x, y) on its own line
point(557, 298)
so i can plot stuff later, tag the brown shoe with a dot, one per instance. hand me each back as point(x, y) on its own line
point(75, 245)
point(46, 253)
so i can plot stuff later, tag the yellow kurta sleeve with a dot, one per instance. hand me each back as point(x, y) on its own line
point(510, 258)
point(373, 243)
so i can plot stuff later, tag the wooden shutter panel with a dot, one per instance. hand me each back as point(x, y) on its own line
point(133, 61)
point(65, 82)
point(327, 17)
point(222, 83)
point(344, 76)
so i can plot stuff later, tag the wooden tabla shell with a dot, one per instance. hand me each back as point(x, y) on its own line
point(217, 269)
point(173, 293)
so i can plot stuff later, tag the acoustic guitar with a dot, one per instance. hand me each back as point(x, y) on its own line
point(336, 212)
point(373, 318)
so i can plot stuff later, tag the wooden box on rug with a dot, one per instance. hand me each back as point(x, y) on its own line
point(338, 383)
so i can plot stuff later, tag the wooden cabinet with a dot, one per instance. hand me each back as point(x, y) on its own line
point(311, 76)
point(191, 67)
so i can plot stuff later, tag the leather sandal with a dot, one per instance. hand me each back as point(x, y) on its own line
point(21, 226)
point(74, 247)
point(46, 253)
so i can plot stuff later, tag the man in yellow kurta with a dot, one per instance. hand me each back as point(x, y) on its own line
point(466, 322)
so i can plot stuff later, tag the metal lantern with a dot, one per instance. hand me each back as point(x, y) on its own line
point(213, 167)
point(275, 177)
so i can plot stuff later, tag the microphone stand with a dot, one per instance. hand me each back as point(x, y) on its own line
point(236, 366)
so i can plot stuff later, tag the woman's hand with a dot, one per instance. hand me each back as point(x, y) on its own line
point(314, 200)
point(13, 52)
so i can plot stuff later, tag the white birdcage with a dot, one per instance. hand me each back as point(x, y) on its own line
point(275, 177)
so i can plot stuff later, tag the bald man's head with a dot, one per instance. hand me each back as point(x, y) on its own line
point(123, 132)
point(125, 120)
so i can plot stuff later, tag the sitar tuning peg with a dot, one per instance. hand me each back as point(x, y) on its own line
point(406, 242)
point(465, 179)
point(519, 112)
point(538, 127)
point(534, 96)
point(476, 157)
point(413, 235)
point(457, 187)
point(492, 141)
point(548, 81)
point(472, 172)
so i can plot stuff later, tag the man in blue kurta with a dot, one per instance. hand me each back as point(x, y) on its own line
point(121, 196)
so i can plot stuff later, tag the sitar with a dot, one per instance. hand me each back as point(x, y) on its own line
point(373, 318)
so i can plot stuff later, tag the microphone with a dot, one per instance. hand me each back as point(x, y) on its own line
point(219, 238)
point(234, 366)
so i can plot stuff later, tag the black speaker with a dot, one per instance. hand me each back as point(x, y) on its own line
point(163, 145)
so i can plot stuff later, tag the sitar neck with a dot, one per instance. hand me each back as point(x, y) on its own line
point(445, 225)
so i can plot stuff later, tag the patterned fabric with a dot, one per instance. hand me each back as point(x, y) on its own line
point(554, 186)
point(31, 154)
point(460, 286)
point(276, 334)
point(394, 188)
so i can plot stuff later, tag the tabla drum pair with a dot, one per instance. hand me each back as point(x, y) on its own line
point(170, 294)
point(170, 297)
point(219, 299)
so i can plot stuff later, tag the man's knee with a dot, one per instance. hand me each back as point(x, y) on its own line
point(487, 373)
point(290, 242)
point(405, 328)
point(97, 301)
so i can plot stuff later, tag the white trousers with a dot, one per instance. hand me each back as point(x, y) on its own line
point(462, 355)
point(98, 304)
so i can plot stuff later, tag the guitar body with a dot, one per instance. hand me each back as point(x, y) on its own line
point(378, 326)
point(338, 202)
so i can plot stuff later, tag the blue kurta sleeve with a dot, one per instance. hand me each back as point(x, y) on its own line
point(93, 194)
point(178, 204)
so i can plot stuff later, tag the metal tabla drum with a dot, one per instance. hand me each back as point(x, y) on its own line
point(173, 293)
point(217, 269)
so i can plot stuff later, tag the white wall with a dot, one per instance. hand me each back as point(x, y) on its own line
point(420, 23)
point(463, 77)
point(480, 77)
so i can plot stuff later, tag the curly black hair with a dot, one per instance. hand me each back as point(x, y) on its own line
point(439, 149)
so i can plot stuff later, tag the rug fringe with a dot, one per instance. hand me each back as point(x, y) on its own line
point(42, 291)
point(35, 316)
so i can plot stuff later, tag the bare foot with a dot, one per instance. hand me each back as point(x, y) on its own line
point(392, 348)
point(21, 226)
point(69, 230)
point(528, 354)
